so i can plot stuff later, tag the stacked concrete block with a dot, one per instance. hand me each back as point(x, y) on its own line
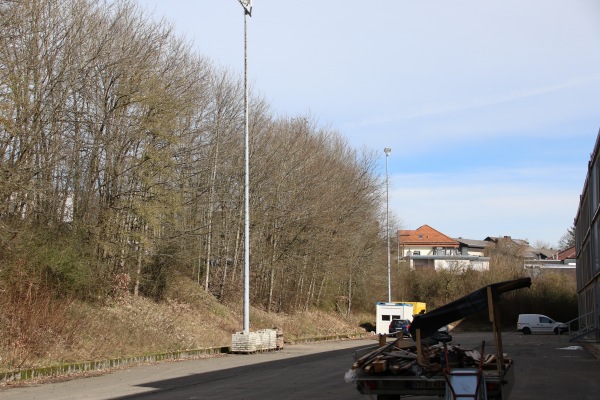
point(263, 340)
point(279, 339)
point(244, 342)
point(269, 337)
point(250, 342)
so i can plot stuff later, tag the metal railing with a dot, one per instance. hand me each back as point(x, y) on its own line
point(587, 328)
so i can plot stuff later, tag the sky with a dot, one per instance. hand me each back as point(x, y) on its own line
point(491, 108)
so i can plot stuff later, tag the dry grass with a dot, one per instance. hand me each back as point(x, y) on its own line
point(188, 319)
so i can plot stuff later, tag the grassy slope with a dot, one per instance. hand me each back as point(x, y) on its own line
point(188, 319)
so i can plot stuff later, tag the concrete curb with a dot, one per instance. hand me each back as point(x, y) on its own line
point(328, 338)
point(99, 365)
point(87, 366)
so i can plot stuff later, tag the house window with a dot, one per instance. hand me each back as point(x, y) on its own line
point(416, 253)
point(385, 317)
point(427, 263)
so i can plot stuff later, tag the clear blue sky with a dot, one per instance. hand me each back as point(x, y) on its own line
point(491, 108)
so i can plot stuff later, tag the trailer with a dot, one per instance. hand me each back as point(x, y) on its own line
point(386, 312)
point(432, 366)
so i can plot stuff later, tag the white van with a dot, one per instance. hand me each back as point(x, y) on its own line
point(538, 323)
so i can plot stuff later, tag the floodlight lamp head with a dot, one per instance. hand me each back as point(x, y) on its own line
point(387, 151)
point(247, 4)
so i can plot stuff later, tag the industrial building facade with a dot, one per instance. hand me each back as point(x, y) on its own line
point(587, 243)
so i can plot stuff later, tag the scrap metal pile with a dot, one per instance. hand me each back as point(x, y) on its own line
point(396, 358)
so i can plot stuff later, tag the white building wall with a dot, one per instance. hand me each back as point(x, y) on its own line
point(477, 253)
point(462, 265)
point(423, 250)
point(453, 264)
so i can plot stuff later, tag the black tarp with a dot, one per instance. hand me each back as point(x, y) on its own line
point(430, 322)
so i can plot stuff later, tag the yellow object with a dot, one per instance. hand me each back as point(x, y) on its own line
point(418, 307)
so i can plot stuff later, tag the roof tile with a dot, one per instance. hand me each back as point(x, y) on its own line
point(426, 236)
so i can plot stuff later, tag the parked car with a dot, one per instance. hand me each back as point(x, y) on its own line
point(399, 325)
point(538, 323)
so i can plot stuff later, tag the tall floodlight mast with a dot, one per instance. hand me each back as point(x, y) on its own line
point(247, 4)
point(387, 152)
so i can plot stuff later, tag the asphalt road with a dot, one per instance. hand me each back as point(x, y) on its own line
point(546, 367)
point(308, 371)
point(550, 367)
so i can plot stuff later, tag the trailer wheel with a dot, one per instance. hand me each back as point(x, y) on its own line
point(526, 331)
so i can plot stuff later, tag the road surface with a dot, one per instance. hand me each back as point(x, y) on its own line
point(307, 371)
point(546, 367)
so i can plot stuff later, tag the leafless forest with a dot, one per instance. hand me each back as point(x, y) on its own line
point(122, 170)
point(122, 165)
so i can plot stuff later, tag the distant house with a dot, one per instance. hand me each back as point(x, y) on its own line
point(427, 248)
point(537, 261)
point(540, 261)
point(519, 247)
point(471, 247)
point(533, 253)
point(500, 239)
point(426, 241)
point(569, 255)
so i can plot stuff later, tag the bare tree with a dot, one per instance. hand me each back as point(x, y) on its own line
point(113, 130)
point(568, 239)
